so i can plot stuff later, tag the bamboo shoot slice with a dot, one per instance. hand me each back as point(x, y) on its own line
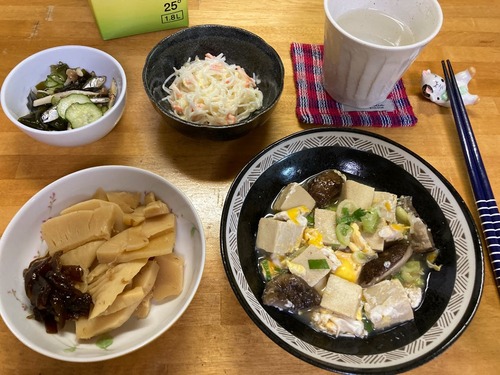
point(128, 201)
point(125, 299)
point(170, 279)
point(88, 328)
point(89, 204)
point(93, 204)
point(100, 194)
point(130, 239)
point(111, 283)
point(159, 224)
point(160, 245)
point(156, 208)
point(134, 218)
point(149, 197)
point(142, 311)
point(66, 232)
point(82, 256)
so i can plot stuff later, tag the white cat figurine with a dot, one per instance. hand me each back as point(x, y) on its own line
point(434, 87)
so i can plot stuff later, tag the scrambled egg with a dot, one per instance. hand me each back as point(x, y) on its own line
point(393, 232)
point(313, 236)
point(295, 268)
point(296, 215)
point(348, 269)
point(336, 325)
point(358, 243)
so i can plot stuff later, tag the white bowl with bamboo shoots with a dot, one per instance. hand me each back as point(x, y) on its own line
point(32, 92)
point(137, 265)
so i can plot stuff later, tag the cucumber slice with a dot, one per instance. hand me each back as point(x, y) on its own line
point(370, 221)
point(67, 101)
point(81, 114)
point(55, 100)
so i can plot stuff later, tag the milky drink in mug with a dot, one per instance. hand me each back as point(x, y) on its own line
point(375, 27)
point(369, 44)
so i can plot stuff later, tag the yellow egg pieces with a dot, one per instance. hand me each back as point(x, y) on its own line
point(348, 269)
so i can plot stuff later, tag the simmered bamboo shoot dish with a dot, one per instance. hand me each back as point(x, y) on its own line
point(107, 259)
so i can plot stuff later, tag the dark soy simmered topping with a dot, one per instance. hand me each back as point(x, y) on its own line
point(51, 290)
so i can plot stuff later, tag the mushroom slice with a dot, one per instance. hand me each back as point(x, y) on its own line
point(420, 235)
point(325, 187)
point(288, 292)
point(388, 262)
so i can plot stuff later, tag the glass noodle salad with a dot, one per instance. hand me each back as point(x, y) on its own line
point(211, 91)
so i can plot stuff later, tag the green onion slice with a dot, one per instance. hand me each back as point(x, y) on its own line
point(344, 232)
point(318, 264)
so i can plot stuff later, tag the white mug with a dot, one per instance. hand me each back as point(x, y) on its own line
point(369, 44)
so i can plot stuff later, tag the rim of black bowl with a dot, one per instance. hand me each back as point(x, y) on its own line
point(345, 365)
point(203, 29)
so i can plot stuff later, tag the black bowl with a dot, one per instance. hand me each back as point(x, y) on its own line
point(240, 47)
point(452, 294)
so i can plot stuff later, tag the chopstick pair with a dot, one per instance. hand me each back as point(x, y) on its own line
point(483, 194)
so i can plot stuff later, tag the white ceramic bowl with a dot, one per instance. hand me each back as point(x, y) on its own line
point(21, 80)
point(21, 242)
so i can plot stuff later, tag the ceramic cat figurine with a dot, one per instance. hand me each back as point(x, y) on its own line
point(434, 87)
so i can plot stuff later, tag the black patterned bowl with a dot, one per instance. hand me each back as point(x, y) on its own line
point(452, 295)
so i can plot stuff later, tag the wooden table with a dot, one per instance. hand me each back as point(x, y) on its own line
point(215, 336)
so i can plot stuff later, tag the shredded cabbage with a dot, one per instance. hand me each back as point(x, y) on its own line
point(210, 91)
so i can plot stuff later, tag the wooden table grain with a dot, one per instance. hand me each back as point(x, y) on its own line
point(215, 336)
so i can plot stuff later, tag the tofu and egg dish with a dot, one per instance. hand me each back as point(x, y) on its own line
point(342, 257)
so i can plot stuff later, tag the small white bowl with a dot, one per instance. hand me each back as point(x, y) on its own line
point(21, 243)
point(29, 72)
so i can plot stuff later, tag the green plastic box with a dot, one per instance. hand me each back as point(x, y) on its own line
point(119, 18)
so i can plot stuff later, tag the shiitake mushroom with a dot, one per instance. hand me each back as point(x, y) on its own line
point(325, 188)
point(387, 263)
point(288, 292)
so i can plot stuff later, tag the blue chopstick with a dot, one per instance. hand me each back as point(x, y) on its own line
point(483, 194)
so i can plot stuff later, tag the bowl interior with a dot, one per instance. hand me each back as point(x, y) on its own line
point(239, 46)
point(21, 243)
point(375, 171)
point(35, 68)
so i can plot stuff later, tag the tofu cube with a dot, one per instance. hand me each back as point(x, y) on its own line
point(293, 195)
point(374, 240)
point(278, 237)
point(342, 297)
point(387, 303)
point(325, 222)
point(386, 204)
point(300, 266)
point(360, 194)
